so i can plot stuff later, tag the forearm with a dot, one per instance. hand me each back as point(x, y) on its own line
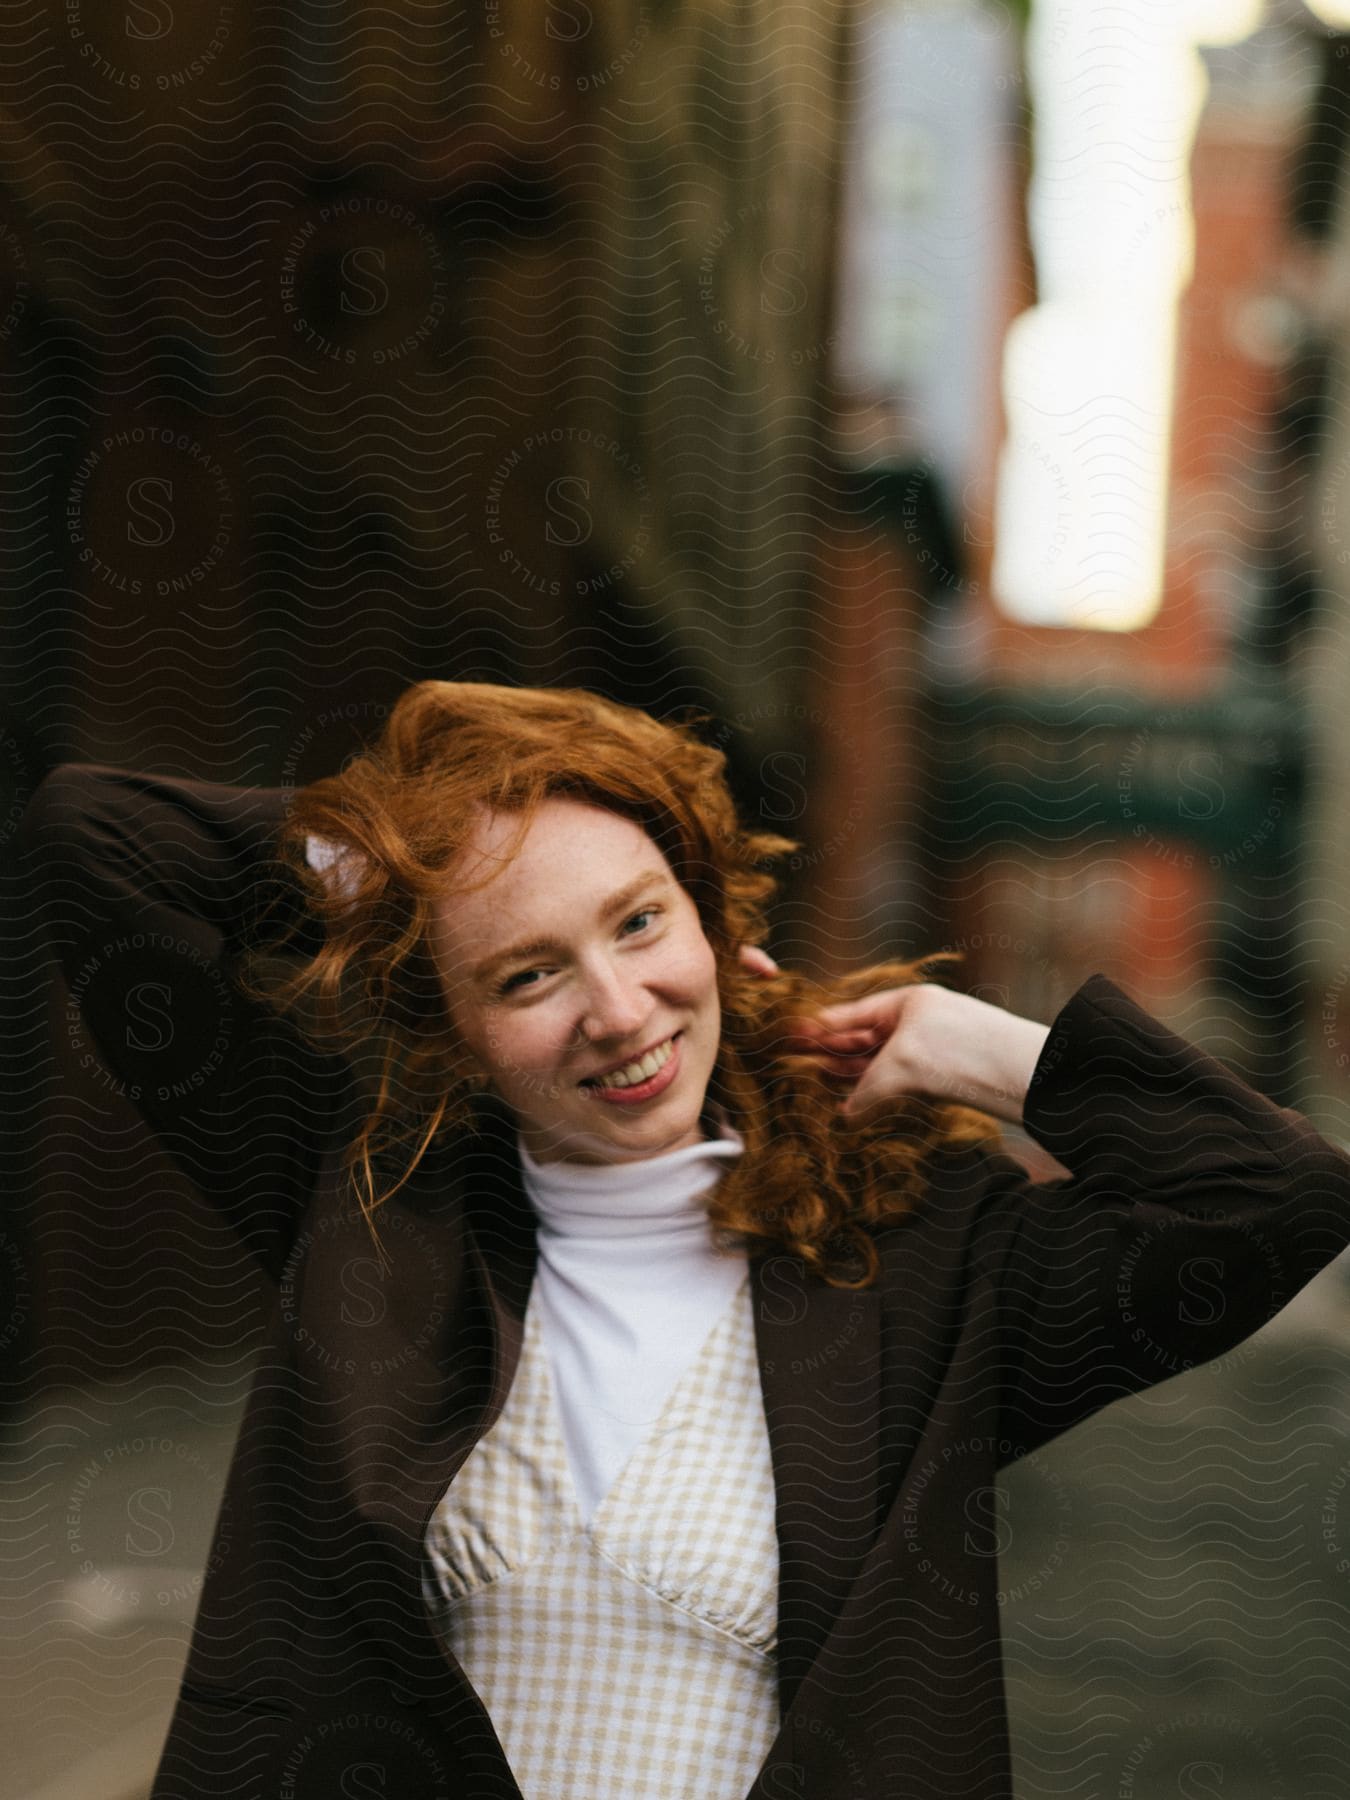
point(111, 846)
point(1195, 1209)
point(143, 891)
point(1119, 1097)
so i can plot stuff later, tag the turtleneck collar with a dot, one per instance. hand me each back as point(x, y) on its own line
point(630, 1198)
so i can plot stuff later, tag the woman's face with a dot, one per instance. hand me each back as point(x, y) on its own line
point(579, 956)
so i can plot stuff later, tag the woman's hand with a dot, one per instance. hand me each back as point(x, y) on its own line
point(927, 1040)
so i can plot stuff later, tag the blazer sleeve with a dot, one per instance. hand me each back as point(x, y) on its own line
point(1195, 1210)
point(147, 890)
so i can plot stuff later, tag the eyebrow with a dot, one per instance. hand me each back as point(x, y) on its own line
point(644, 883)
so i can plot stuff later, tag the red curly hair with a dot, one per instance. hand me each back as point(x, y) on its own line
point(399, 814)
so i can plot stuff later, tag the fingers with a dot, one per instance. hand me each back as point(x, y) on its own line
point(873, 1010)
point(851, 1065)
point(839, 1042)
point(757, 961)
point(810, 1033)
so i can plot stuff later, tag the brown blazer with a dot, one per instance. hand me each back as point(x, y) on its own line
point(1007, 1311)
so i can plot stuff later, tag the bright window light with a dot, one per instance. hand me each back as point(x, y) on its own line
point(1089, 373)
point(1335, 13)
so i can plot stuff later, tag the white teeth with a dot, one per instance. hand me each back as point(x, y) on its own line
point(634, 1072)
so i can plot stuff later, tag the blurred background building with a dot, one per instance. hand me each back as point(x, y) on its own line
point(948, 398)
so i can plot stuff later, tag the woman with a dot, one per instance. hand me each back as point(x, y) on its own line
point(632, 1428)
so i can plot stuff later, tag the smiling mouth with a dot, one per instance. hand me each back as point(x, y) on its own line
point(642, 1068)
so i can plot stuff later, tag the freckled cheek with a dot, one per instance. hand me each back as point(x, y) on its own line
point(696, 976)
point(685, 970)
point(536, 1048)
point(498, 1048)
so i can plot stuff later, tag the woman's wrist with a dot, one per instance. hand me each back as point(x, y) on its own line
point(979, 1055)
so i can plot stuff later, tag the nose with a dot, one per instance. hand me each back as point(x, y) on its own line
point(615, 1004)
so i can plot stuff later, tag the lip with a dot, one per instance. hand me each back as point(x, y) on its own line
point(645, 1090)
point(637, 1056)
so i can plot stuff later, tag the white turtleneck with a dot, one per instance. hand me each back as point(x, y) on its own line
point(629, 1284)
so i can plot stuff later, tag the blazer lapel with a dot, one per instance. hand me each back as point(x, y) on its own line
point(819, 1357)
point(424, 1348)
point(504, 1240)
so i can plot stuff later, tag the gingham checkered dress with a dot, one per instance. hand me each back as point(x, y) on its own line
point(633, 1655)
